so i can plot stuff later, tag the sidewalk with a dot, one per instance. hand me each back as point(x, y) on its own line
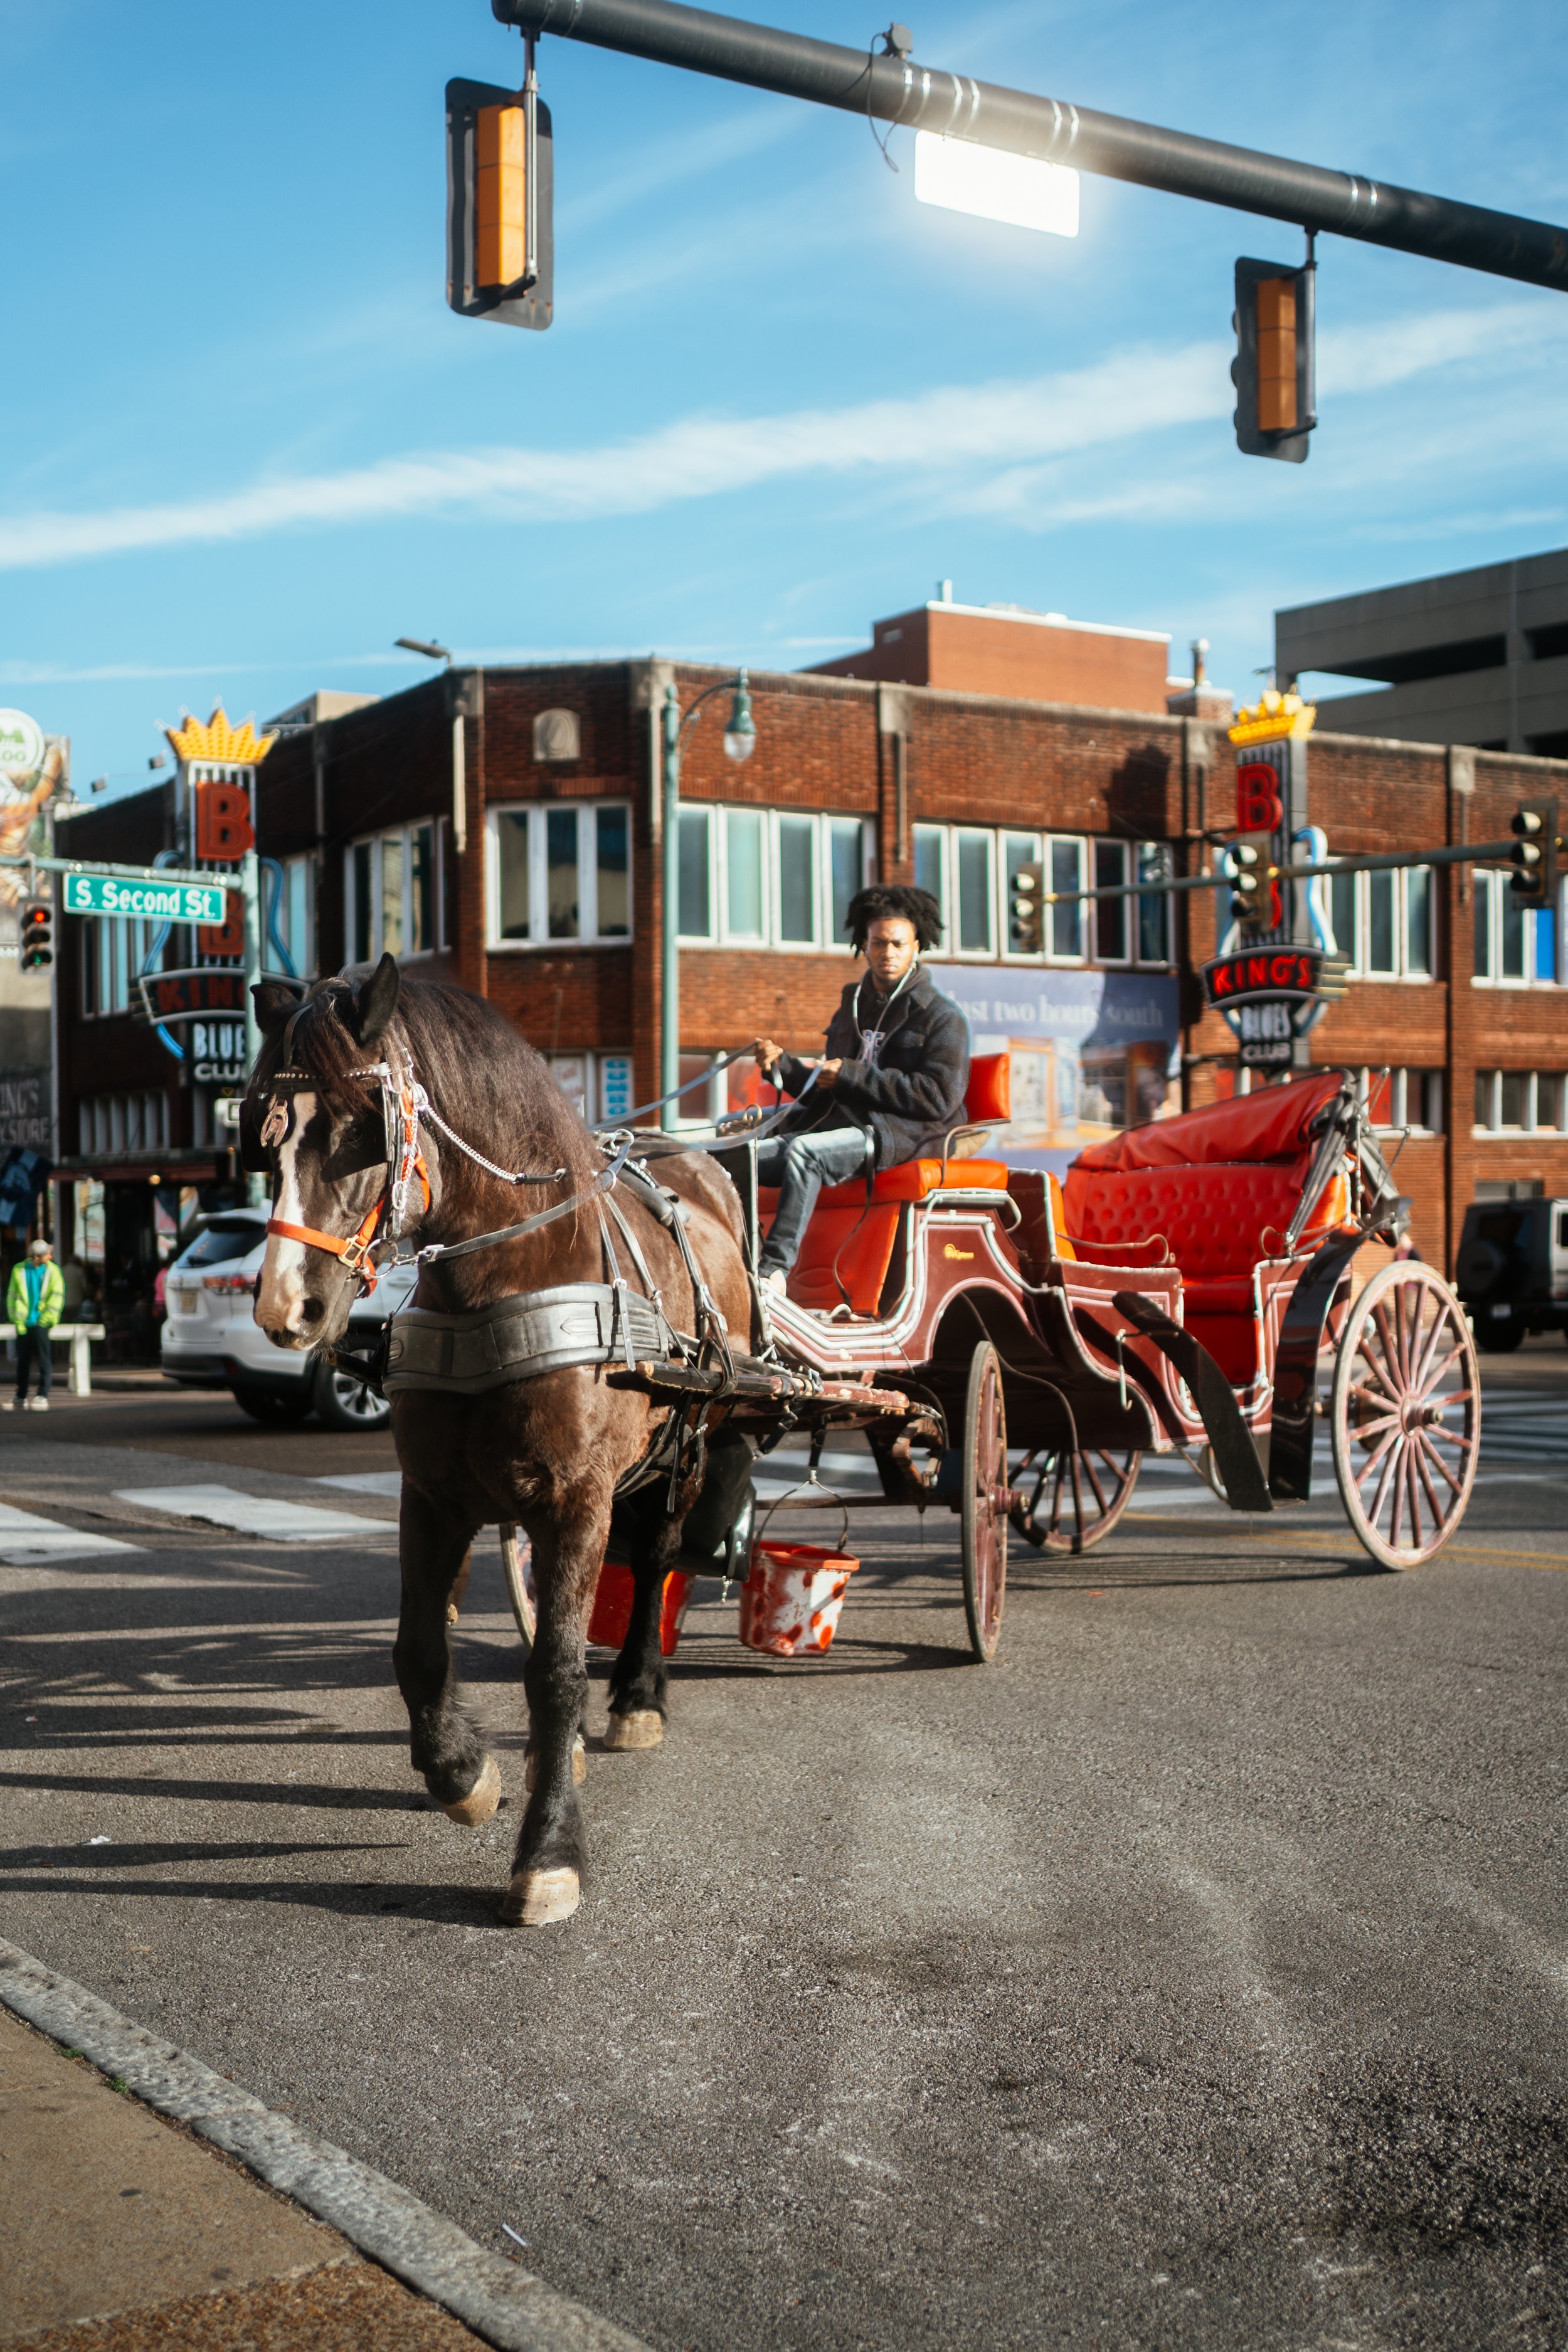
point(120, 2232)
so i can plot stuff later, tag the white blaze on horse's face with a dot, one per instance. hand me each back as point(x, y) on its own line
point(281, 1293)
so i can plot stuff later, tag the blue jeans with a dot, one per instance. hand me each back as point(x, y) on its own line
point(800, 1165)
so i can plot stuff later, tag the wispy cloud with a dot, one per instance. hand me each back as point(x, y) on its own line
point(939, 435)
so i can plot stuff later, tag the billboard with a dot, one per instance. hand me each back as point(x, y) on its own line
point(1091, 1052)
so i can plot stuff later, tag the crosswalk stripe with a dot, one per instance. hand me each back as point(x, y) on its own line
point(26, 1539)
point(365, 1482)
point(252, 1514)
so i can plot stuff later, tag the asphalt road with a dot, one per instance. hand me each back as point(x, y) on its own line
point(1196, 1976)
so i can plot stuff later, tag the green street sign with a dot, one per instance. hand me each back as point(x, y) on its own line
point(131, 893)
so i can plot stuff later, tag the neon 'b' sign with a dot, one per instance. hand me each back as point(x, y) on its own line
point(1259, 808)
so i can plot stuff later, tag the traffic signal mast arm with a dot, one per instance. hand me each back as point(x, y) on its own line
point(893, 88)
point(1484, 853)
point(155, 874)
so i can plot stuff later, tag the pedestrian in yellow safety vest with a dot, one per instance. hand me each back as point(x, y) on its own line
point(33, 1303)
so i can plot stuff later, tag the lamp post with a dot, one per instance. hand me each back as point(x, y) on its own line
point(740, 743)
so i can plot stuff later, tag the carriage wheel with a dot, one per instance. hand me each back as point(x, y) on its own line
point(1076, 1497)
point(1406, 1414)
point(517, 1561)
point(984, 1509)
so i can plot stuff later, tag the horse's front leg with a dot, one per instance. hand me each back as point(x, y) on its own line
point(568, 1549)
point(445, 1742)
point(639, 1679)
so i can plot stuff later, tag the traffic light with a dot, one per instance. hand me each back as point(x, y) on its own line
point(1027, 917)
point(1274, 371)
point(1252, 893)
point(501, 245)
point(1534, 860)
point(36, 944)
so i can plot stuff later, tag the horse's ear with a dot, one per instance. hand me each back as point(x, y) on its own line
point(276, 1001)
point(377, 1002)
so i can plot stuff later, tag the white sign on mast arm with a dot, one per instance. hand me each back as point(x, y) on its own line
point(131, 895)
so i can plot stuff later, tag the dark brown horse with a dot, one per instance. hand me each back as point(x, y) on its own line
point(545, 1451)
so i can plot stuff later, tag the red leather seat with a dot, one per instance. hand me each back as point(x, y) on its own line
point(1219, 1219)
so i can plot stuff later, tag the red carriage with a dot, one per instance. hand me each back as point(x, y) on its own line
point(1013, 1347)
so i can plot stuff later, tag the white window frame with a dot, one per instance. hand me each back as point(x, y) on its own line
point(1409, 1089)
point(1055, 955)
point(777, 820)
point(1130, 856)
point(716, 816)
point(1532, 1125)
point(1006, 869)
point(373, 842)
point(1358, 949)
point(535, 814)
point(302, 951)
point(1493, 888)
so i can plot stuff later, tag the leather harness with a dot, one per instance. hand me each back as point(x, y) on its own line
point(527, 1333)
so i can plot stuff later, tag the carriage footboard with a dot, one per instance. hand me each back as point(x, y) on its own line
point(1234, 1456)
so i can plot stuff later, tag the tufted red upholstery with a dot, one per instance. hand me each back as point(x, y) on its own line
point(1269, 1125)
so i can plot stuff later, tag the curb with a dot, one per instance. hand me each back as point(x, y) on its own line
point(495, 2298)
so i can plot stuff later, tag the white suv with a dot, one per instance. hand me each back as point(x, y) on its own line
point(212, 1341)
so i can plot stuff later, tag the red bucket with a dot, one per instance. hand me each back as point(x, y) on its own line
point(611, 1620)
point(791, 1600)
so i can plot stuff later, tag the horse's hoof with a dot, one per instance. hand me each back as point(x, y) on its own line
point(537, 1899)
point(481, 1799)
point(452, 1612)
point(644, 1729)
point(579, 1765)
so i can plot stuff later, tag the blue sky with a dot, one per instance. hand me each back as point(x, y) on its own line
point(245, 445)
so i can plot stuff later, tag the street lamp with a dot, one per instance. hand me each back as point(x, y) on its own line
point(426, 645)
point(740, 743)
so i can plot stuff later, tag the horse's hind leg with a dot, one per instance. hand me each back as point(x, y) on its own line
point(546, 1883)
point(639, 1679)
point(445, 1742)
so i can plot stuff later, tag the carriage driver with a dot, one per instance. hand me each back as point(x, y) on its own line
point(891, 1084)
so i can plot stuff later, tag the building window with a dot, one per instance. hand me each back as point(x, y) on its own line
point(1403, 1102)
point(121, 1124)
point(761, 878)
point(1127, 931)
point(1521, 1102)
point(561, 874)
point(971, 874)
point(292, 916)
point(1516, 947)
point(392, 892)
point(1383, 923)
point(115, 952)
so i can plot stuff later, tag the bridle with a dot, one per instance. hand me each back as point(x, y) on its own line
point(405, 1104)
point(404, 1100)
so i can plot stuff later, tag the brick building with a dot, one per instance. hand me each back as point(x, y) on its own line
point(500, 828)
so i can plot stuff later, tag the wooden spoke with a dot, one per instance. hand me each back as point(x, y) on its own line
point(1405, 1403)
point(1095, 1484)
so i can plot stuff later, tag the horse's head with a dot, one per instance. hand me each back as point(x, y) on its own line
point(318, 1129)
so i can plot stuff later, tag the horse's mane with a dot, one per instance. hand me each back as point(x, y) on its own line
point(485, 1079)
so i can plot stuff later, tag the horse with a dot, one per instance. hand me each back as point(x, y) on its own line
point(411, 1109)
